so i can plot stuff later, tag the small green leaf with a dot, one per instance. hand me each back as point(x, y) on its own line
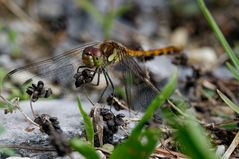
point(15, 51)
point(88, 124)
point(228, 102)
point(12, 35)
point(84, 149)
point(208, 92)
point(122, 9)
point(3, 72)
point(230, 126)
point(7, 151)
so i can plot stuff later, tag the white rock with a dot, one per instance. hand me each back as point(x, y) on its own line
point(102, 156)
point(180, 37)
point(220, 150)
point(204, 57)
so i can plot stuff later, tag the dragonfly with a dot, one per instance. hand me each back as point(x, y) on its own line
point(82, 64)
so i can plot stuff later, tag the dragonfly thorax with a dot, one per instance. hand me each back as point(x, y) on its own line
point(92, 57)
point(111, 51)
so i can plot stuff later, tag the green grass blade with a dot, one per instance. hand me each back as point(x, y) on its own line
point(140, 146)
point(228, 102)
point(135, 146)
point(218, 33)
point(3, 150)
point(88, 124)
point(84, 149)
point(189, 134)
point(7, 151)
point(233, 71)
point(110, 17)
point(3, 73)
point(194, 143)
point(91, 9)
point(158, 101)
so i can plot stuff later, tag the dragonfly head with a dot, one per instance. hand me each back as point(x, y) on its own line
point(92, 57)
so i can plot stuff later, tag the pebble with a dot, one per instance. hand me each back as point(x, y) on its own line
point(220, 150)
point(204, 57)
point(100, 153)
point(180, 37)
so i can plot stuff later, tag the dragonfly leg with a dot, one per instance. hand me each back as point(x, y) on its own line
point(107, 84)
point(80, 67)
point(108, 80)
point(98, 77)
point(108, 77)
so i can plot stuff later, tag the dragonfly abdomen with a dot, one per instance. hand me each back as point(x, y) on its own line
point(154, 52)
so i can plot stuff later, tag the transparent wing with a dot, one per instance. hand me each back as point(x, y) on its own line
point(140, 90)
point(60, 68)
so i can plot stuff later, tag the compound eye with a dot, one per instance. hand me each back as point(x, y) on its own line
point(88, 51)
point(96, 52)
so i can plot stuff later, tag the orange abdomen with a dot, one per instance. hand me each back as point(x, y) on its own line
point(154, 52)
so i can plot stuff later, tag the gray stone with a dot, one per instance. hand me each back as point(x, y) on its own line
point(67, 113)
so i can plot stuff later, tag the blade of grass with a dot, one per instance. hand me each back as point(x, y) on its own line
point(233, 70)
point(158, 101)
point(194, 143)
point(3, 73)
point(228, 102)
point(218, 33)
point(106, 19)
point(3, 150)
point(139, 147)
point(7, 151)
point(189, 134)
point(91, 9)
point(84, 149)
point(142, 142)
point(110, 17)
point(88, 124)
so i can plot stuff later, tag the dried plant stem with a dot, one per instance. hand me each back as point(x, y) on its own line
point(35, 148)
point(16, 104)
point(33, 113)
point(182, 113)
point(232, 147)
